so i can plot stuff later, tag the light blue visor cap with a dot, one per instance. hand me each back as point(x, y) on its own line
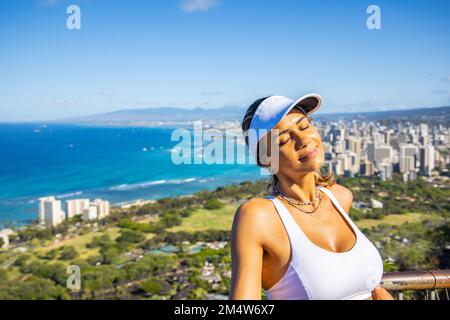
point(272, 110)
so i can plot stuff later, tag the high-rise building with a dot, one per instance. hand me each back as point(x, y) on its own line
point(90, 213)
point(386, 171)
point(102, 208)
point(338, 165)
point(407, 163)
point(76, 207)
point(353, 144)
point(53, 213)
point(42, 202)
point(408, 157)
point(371, 151)
point(339, 146)
point(408, 150)
point(423, 129)
point(366, 168)
point(383, 154)
point(353, 162)
point(387, 137)
point(403, 137)
point(427, 159)
point(424, 140)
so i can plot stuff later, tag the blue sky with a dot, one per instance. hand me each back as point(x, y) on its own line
point(208, 53)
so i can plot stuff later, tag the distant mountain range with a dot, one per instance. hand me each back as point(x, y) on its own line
point(173, 115)
point(162, 114)
point(441, 114)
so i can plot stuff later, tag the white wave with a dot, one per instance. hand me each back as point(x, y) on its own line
point(68, 195)
point(126, 187)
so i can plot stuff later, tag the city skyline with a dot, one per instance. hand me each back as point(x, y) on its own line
point(212, 54)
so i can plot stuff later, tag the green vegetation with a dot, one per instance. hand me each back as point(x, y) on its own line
point(152, 285)
point(130, 236)
point(213, 204)
point(204, 219)
point(178, 248)
point(68, 253)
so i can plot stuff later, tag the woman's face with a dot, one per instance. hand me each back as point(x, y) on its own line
point(299, 145)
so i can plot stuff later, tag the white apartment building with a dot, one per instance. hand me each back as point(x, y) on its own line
point(42, 202)
point(366, 168)
point(354, 162)
point(90, 213)
point(382, 154)
point(386, 171)
point(423, 128)
point(427, 154)
point(76, 207)
point(408, 155)
point(354, 145)
point(407, 163)
point(53, 213)
point(98, 209)
point(102, 208)
point(340, 163)
point(4, 235)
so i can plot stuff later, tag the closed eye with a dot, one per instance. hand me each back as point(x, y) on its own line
point(304, 128)
point(284, 141)
point(303, 124)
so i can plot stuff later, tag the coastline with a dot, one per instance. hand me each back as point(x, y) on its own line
point(15, 224)
point(120, 165)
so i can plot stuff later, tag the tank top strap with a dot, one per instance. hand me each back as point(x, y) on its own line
point(338, 206)
point(293, 230)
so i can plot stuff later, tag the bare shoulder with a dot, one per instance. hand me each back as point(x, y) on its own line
point(253, 215)
point(254, 210)
point(343, 195)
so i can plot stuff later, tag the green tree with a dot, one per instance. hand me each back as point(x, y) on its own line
point(213, 204)
point(130, 236)
point(100, 242)
point(152, 286)
point(68, 253)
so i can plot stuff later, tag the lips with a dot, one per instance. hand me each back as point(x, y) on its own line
point(309, 155)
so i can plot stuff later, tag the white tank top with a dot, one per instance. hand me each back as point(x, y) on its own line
point(317, 273)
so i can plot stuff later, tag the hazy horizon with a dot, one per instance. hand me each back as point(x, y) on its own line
point(319, 112)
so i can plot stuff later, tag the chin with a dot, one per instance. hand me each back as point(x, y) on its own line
point(311, 165)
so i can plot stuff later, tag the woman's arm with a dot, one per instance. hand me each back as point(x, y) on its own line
point(246, 253)
point(380, 293)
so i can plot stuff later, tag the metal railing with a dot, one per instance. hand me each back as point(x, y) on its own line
point(433, 283)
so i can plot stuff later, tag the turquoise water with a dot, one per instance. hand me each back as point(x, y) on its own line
point(116, 164)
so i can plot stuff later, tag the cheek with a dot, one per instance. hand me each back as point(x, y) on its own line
point(285, 157)
point(321, 154)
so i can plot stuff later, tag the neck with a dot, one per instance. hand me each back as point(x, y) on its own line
point(302, 189)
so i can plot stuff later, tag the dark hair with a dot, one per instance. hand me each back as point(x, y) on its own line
point(246, 121)
point(323, 180)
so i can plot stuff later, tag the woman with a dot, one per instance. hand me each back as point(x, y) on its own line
point(298, 242)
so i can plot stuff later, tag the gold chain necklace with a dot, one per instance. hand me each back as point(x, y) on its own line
point(296, 203)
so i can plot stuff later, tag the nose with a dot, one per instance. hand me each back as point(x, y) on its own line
point(301, 139)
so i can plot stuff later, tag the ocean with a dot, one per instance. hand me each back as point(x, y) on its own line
point(119, 164)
